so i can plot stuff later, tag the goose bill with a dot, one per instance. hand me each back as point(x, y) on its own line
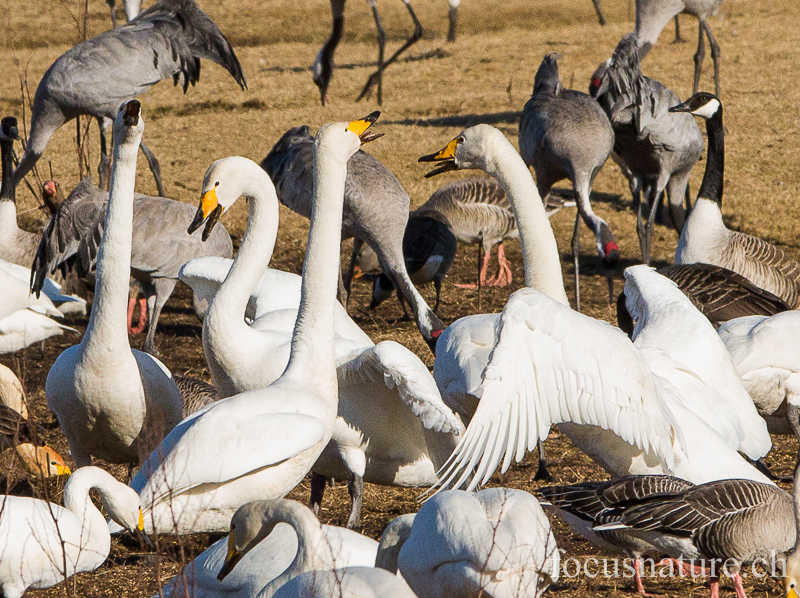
point(682, 107)
point(360, 127)
point(208, 212)
point(446, 156)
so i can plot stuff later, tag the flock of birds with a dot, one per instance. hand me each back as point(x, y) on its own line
point(679, 405)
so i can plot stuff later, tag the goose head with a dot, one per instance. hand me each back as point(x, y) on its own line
point(42, 460)
point(8, 129)
point(701, 104)
point(468, 150)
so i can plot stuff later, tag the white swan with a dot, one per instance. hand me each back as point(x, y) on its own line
point(545, 362)
point(113, 402)
point(764, 350)
point(495, 542)
point(266, 537)
point(349, 582)
point(259, 444)
point(37, 538)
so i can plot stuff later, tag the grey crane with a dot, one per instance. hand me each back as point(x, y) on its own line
point(658, 149)
point(160, 244)
point(16, 245)
point(588, 504)
point(166, 41)
point(705, 238)
point(564, 133)
point(718, 293)
point(375, 213)
point(653, 15)
point(429, 248)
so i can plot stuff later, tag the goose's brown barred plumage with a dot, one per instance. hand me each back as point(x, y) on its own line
point(195, 394)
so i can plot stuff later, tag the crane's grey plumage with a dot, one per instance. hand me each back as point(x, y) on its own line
point(429, 248)
point(653, 15)
point(718, 293)
point(659, 149)
point(586, 505)
point(564, 134)
point(160, 243)
point(705, 238)
point(195, 394)
point(16, 245)
point(375, 212)
point(166, 41)
point(478, 213)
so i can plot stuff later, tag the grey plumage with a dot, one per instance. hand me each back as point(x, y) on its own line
point(166, 41)
point(659, 149)
point(705, 238)
point(160, 244)
point(653, 15)
point(718, 293)
point(16, 245)
point(375, 212)
point(429, 248)
point(195, 394)
point(564, 133)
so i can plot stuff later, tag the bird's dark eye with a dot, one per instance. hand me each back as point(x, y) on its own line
point(216, 184)
point(461, 139)
point(53, 463)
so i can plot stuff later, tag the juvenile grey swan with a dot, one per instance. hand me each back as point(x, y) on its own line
point(166, 41)
point(16, 245)
point(375, 211)
point(705, 238)
point(160, 244)
point(659, 149)
point(653, 15)
point(564, 133)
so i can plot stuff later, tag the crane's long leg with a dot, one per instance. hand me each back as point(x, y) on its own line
point(576, 253)
point(541, 472)
point(678, 39)
point(699, 57)
point(381, 49)
point(155, 168)
point(112, 6)
point(355, 488)
point(599, 10)
point(714, 53)
point(318, 483)
point(163, 291)
point(377, 76)
point(104, 167)
point(452, 17)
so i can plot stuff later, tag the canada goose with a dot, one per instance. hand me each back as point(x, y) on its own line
point(653, 15)
point(376, 212)
point(16, 245)
point(718, 293)
point(495, 542)
point(705, 238)
point(260, 444)
point(166, 41)
point(588, 504)
point(113, 402)
point(42, 544)
point(266, 540)
point(659, 149)
point(160, 246)
point(542, 358)
point(564, 133)
point(429, 248)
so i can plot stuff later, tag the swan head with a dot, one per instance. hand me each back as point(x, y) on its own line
point(226, 180)
point(468, 150)
point(701, 104)
point(248, 527)
point(129, 125)
point(125, 509)
point(344, 138)
point(8, 129)
point(42, 460)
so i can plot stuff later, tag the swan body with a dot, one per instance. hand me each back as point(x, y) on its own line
point(112, 402)
point(496, 543)
point(260, 443)
point(269, 557)
point(348, 582)
point(32, 532)
point(544, 360)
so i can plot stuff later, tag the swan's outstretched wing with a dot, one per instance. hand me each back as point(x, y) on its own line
point(391, 364)
point(551, 365)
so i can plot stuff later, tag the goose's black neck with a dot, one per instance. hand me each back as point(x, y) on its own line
point(6, 151)
point(711, 187)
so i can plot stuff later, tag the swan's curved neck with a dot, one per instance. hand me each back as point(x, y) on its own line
point(95, 537)
point(107, 327)
point(312, 356)
point(314, 551)
point(539, 249)
point(254, 254)
point(7, 192)
point(711, 187)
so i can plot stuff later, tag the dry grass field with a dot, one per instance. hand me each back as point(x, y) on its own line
point(484, 77)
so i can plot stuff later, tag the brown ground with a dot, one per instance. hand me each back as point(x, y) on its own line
point(484, 77)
